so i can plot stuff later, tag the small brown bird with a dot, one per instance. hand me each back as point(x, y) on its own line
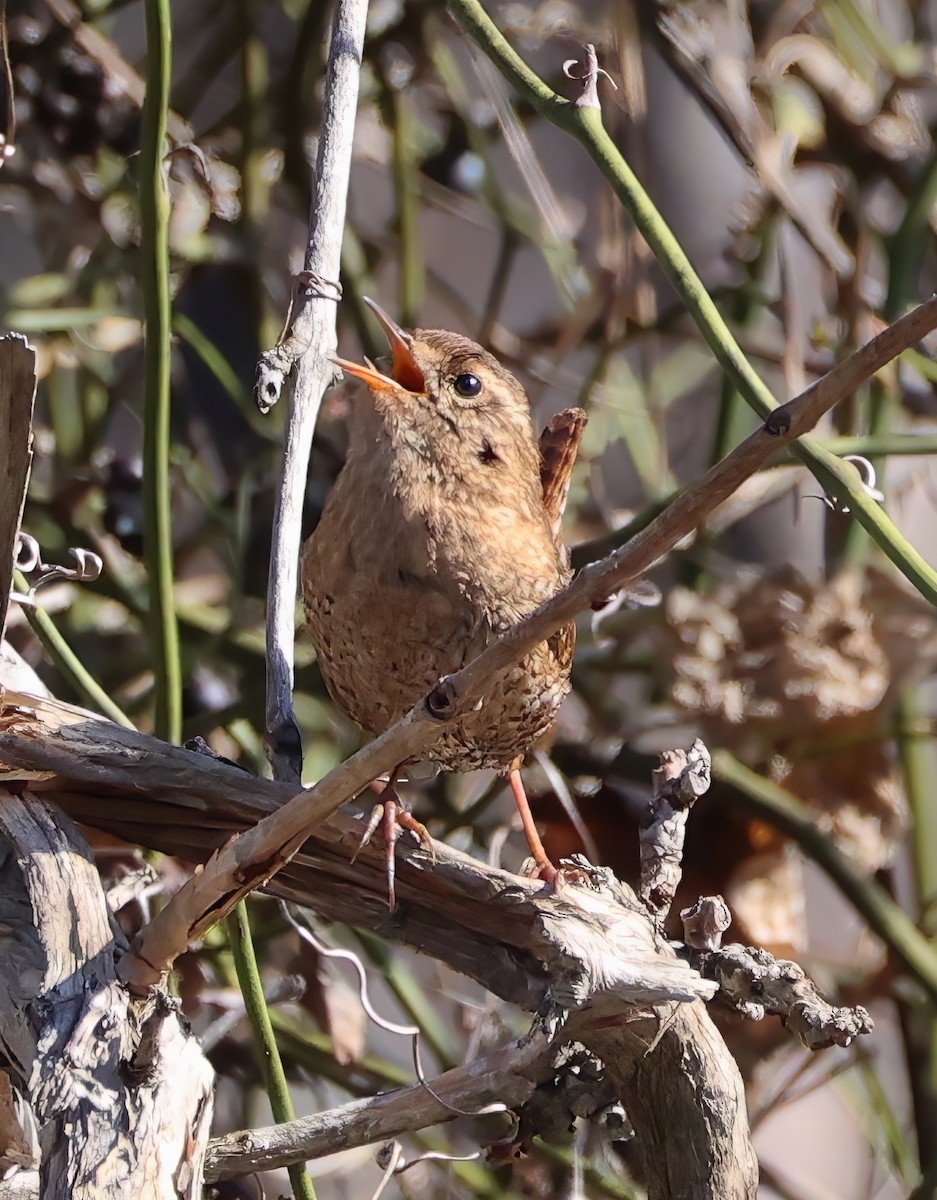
point(442, 530)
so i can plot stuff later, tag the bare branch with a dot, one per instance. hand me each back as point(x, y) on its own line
point(705, 922)
point(756, 983)
point(310, 342)
point(86, 1056)
point(679, 781)
point(507, 1076)
point(87, 568)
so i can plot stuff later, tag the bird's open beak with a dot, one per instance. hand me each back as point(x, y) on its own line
point(405, 373)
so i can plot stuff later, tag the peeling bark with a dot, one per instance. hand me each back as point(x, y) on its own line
point(118, 1089)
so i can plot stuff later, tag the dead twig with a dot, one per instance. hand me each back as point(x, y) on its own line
point(755, 983)
point(506, 1077)
point(679, 781)
point(305, 351)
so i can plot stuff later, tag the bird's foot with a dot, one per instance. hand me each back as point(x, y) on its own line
point(568, 872)
point(545, 870)
point(393, 816)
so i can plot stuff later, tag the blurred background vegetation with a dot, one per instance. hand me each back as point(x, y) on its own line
point(790, 144)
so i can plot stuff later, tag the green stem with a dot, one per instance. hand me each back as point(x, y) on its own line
point(154, 224)
point(882, 445)
point(252, 989)
point(585, 124)
point(910, 236)
point(916, 747)
point(406, 188)
point(855, 547)
point(786, 813)
point(68, 661)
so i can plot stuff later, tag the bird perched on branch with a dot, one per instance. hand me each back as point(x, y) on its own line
point(442, 531)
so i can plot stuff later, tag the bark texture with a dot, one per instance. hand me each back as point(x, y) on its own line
point(118, 1089)
point(587, 953)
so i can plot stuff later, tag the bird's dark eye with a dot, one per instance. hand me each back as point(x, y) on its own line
point(468, 385)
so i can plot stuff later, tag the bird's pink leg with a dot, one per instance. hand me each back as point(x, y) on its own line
point(545, 869)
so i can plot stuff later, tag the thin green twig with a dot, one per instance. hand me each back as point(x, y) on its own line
point(154, 224)
point(585, 124)
point(871, 446)
point(248, 973)
point(917, 755)
point(785, 812)
point(68, 661)
point(405, 172)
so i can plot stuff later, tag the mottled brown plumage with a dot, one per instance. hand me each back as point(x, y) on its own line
point(441, 531)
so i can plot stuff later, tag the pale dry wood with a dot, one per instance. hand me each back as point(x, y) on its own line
point(118, 1088)
point(682, 777)
point(312, 339)
point(756, 983)
point(684, 1095)
point(17, 393)
point(24, 1185)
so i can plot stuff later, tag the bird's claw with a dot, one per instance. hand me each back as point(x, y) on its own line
point(393, 816)
point(531, 869)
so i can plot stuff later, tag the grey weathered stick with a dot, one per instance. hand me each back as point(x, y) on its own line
point(507, 1076)
point(251, 860)
point(306, 350)
point(756, 983)
point(682, 777)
